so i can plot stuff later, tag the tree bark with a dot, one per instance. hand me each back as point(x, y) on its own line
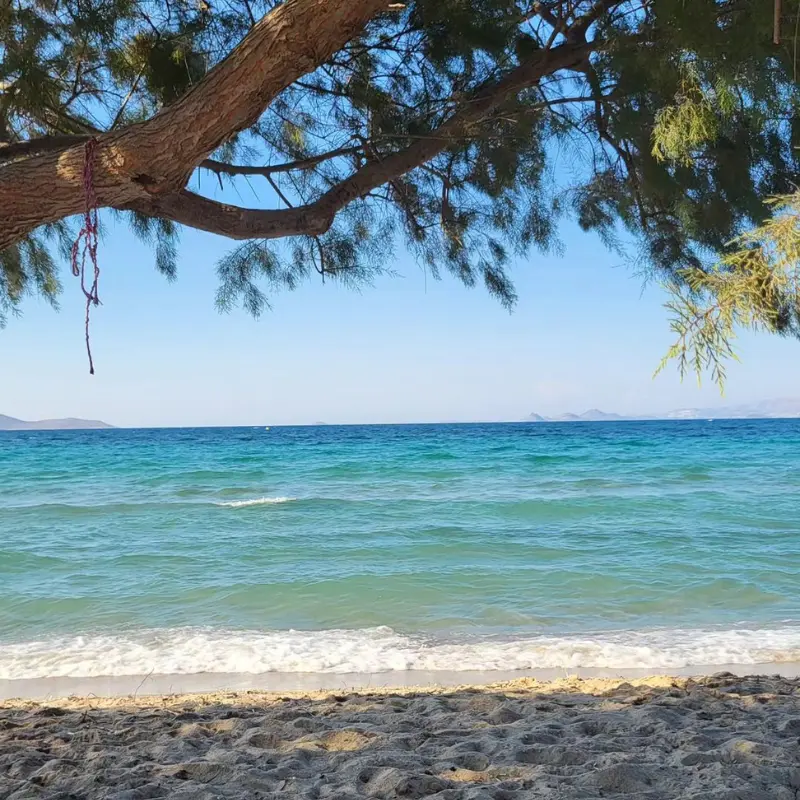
point(199, 212)
point(152, 159)
point(10, 151)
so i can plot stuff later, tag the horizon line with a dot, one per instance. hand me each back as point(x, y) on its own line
point(624, 420)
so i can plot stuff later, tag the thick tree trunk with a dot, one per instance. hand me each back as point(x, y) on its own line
point(146, 161)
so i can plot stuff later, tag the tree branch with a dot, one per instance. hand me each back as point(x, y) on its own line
point(583, 23)
point(289, 42)
point(124, 105)
point(188, 208)
point(34, 147)
point(546, 13)
point(157, 157)
point(315, 218)
point(221, 168)
point(483, 104)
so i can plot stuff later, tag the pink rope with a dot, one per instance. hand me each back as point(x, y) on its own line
point(86, 243)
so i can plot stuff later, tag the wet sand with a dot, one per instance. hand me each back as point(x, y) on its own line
point(203, 683)
point(715, 738)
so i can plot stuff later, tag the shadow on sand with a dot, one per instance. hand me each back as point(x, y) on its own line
point(719, 738)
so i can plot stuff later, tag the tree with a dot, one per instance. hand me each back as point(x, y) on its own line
point(466, 128)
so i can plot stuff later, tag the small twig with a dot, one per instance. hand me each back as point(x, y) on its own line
point(249, 12)
point(144, 680)
point(321, 252)
point(277, 190)
point(125, 102)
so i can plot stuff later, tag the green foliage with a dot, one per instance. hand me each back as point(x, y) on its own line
point(756, 285)
point(352, 253)
point(162, 235)
point(167, 66)
point(28, 268)
point(693, 121)
point(678, 126)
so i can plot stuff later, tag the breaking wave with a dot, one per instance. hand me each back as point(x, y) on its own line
point(260, 501)
point(379, 650)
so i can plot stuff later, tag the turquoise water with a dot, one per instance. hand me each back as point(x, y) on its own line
point(366, 549)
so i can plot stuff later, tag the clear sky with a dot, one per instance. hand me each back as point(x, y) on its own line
point(583, 335)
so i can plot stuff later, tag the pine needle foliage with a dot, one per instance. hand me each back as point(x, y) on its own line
point(756, 286)
point(680, 121)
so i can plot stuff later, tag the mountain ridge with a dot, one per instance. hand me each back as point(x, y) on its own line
point(778, 408)
point(65, 424)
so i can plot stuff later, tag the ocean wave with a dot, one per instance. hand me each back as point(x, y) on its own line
point(259, 501)
point(188, 651)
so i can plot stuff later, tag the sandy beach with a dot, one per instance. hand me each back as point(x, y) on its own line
point(714, 738)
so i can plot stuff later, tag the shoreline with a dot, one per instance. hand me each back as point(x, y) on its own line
point(714, 738)
point(307, 682)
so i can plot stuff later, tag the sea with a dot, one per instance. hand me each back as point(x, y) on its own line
point(250, 555)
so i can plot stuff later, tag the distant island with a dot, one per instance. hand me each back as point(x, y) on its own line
point(785, 408)
point(67, 424)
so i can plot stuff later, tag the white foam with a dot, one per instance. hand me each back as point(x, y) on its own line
point(187, 651)
point(259, 501)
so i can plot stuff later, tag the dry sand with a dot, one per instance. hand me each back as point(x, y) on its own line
point(718, 738)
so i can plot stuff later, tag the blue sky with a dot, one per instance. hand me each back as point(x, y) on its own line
point(583, 335)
